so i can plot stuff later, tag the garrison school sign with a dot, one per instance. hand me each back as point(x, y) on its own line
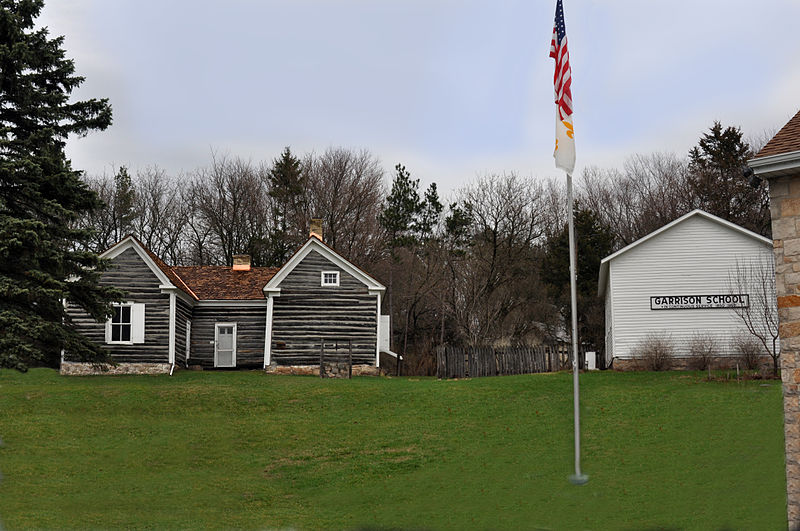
point(699, 302)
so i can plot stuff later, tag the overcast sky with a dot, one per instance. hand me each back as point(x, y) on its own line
point(452, 89)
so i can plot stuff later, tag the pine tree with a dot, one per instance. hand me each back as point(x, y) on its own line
point(594, 241)
point(123, 204)
point(41, 196)
point(286, 187)
point(401, 209)
point(717, 181)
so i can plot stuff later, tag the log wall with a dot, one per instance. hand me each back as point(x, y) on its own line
point(306, 312)
point(250, 334)
point(130, 273)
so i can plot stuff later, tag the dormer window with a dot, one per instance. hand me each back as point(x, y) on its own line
point(330, 278)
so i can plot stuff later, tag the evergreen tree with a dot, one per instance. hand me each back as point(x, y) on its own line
point(717, 181)
point(408, 218)
point(401, 208)
point(124, 203)
point(430, 213)
point(410, 221)
point(594, 241)
point(41, 196)
point(286, 187)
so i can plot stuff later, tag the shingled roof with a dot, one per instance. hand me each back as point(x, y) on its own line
point(223, 283)
point(786, 141)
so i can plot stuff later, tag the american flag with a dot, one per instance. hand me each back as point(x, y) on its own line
point(562, 79)
point(562, 82)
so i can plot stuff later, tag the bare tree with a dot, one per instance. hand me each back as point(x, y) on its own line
point(649, 192)
point(756, 279)
point(161, 214)
point(494, 287)
point(233, 210)
point(345, 189)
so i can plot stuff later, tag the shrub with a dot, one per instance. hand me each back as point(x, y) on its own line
point(656, 352)
point(703, 350)
point(749, 351)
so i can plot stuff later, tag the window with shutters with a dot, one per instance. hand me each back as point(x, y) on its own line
point(126, 325)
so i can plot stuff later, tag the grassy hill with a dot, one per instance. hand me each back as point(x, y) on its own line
point(246, 450)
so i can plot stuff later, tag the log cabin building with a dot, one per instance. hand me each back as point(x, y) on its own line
point(275, 319)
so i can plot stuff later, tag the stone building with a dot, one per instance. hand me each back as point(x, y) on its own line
point(779, 163)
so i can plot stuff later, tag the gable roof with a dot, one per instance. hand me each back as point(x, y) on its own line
point(218, 283)
point(604, 264)
point(781, 155)
point(315, 244)
point(223, 283)
point(161, 270)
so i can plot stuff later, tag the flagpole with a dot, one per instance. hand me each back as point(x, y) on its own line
point(578, 478)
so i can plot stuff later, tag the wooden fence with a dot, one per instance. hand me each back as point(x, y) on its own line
point(472, 362)
point(335, 358)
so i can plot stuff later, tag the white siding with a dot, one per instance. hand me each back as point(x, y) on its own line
point(693, 257)
point(609, 325)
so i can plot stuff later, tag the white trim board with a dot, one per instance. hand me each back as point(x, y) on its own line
point(776, 165)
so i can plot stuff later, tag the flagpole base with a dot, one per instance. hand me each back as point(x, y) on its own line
point(579, 479)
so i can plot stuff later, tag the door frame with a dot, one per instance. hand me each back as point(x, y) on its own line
point(217, 326)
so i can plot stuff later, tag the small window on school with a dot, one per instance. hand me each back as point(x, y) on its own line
point(330, 278)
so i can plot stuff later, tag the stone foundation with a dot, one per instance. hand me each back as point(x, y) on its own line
point(690, 364)
point(313, 370)
point(71, 368)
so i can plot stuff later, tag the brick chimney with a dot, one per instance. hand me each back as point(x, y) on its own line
point(316, 228)
point(241, 262)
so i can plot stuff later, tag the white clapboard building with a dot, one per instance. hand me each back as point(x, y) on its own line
point(676, 282)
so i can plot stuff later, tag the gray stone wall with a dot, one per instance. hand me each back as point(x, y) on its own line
point(313, 370)
point(784, 195)
point(71, 368)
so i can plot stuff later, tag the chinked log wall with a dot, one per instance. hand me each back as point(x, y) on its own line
point(250, 330)
point(131, 274)
point(457, 362)
point(306, 312)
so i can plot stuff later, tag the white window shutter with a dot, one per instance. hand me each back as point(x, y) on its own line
point(137, 323)
point(108, 330)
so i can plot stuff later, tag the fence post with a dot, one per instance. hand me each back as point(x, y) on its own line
point(321, 357)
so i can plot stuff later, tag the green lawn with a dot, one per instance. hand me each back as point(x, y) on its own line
point(246, 450)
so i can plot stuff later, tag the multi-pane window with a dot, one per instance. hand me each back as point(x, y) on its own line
point(330, 278)
point(121, 324)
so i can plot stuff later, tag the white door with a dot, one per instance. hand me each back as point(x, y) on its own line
point(225, 345)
